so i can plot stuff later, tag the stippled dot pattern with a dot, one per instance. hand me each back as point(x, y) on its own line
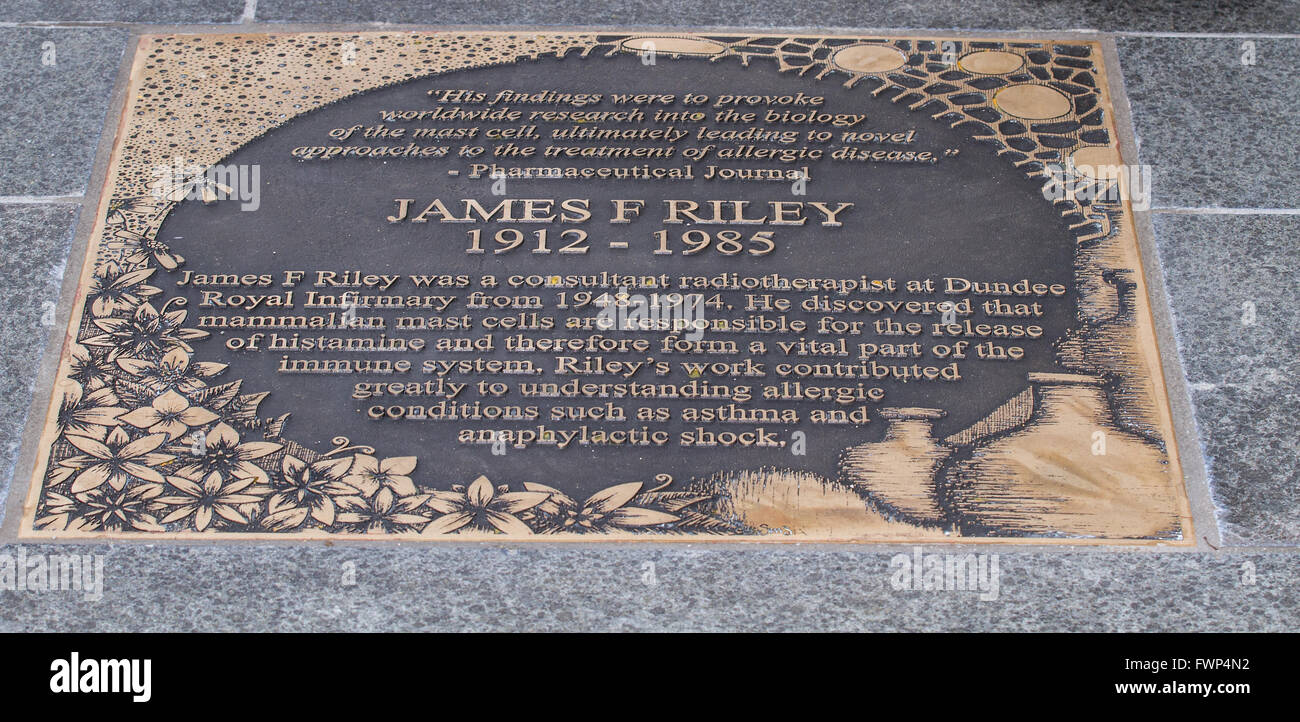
point(200, 97)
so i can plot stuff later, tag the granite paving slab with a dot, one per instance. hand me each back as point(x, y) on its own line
point(646, 587)
point(35, 239)
point(1227, 139)
point(54, 92)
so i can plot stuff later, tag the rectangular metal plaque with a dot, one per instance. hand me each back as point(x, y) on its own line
point(586, 286)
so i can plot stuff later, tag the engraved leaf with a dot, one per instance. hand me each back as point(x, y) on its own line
point(557, 500)
point(480, 492)
point(275, 427)
point(517, 501)
point(132, 393)
point(217, 397)
point(671, 500)
point(245, 407)
point(446, 502)
point(634, 516)
point(286, 519)
point(614, 496)
point(447, 523)
point(508, 524)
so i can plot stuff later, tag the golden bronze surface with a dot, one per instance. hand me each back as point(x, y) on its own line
point(613, 286)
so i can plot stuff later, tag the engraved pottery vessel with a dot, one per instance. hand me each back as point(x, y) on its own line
point(897, 473)
point(1069, 471)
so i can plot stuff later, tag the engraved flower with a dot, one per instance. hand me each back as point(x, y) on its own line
point(118, 459)
point(382, 513)
point(115, 510)
point(58, 510)
point(214, 495)
point(86, 414)
point(256, 515)
point(148, 333)
point(86, 369)
point(112, 289)
point(222, 452)
point(369, 474)
point(601, 512)
point(174, 370)
point(66, 468)
point(303, 490)
point(169, 414)
point(483, 506)
point(72, 464)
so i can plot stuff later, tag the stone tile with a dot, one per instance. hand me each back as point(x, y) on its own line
point(1251, 442)
point(127, 11)
point(585, 588)
point(1245, 378)
point(54, 113)
point(1216, 132)
point(1272, 15)
point(35, 241)
point(1231, 280)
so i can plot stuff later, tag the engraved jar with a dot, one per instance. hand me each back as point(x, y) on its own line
point(1069, 471)
point(897, 473)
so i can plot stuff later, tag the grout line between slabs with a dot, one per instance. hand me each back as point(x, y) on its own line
point(41, 200)
point(1193, 36)
point(80, 24)
point(1213, 211)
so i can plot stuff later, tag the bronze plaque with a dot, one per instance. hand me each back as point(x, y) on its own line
point(585, 286)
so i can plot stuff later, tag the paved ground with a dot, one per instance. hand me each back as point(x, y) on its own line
point(1219, 135)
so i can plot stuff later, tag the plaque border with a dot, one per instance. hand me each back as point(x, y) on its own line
point(1154, 360)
